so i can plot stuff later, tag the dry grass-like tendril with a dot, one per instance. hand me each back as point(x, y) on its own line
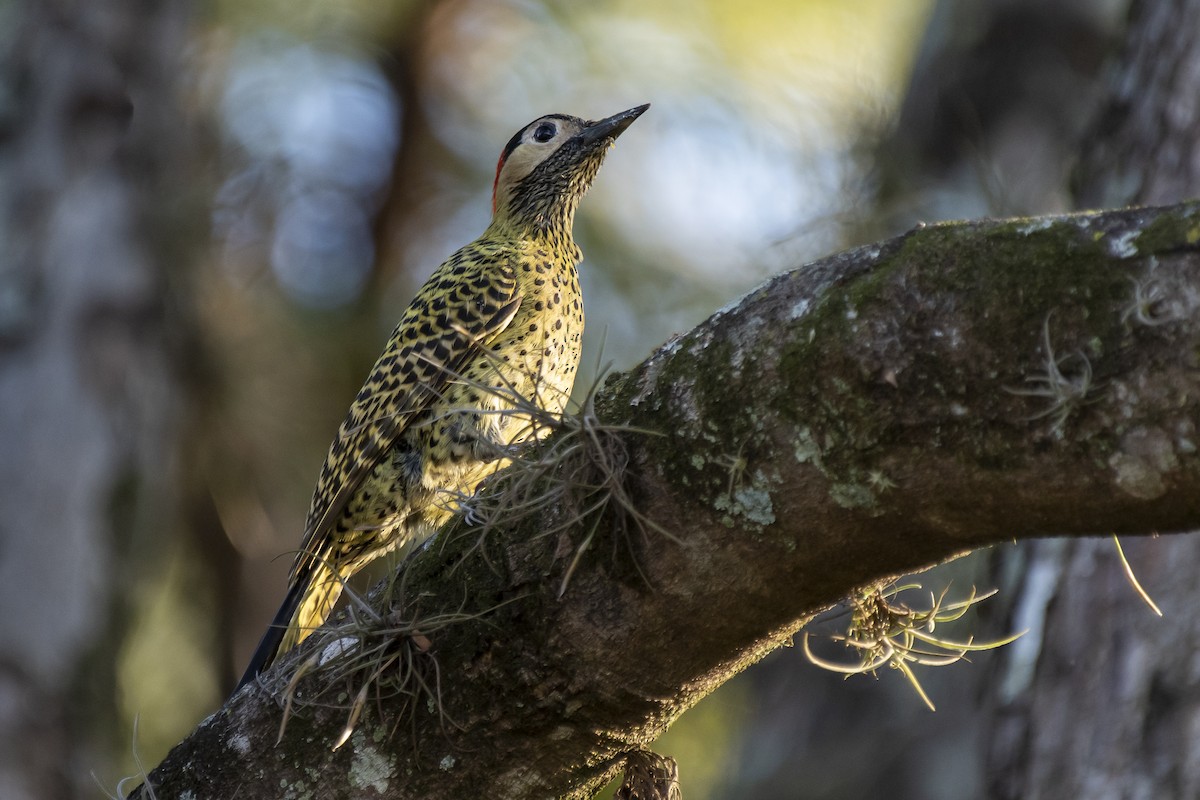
point(373, 656)
point(1066, 391)
point(884, 631)
point(573, 475)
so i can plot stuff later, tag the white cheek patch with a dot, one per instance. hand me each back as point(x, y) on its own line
point(520, 163)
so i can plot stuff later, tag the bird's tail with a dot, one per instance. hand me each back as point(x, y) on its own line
point(309, 600)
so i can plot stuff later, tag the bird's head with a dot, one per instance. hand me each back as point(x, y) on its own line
point(549, 164)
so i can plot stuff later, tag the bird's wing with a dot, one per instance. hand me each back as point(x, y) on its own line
point(460, 310)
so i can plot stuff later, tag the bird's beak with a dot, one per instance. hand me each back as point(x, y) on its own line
point(610, 127)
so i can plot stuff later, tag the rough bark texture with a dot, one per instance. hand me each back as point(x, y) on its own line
point(1143, 147)
point(89, 400)
point(858, 418)
point(1101, 700)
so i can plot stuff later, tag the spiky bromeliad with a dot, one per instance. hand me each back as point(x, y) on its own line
point(501, 318)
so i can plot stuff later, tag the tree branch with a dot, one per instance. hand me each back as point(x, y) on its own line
point(864, 416)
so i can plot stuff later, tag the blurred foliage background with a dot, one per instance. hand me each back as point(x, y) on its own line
point(345, 148)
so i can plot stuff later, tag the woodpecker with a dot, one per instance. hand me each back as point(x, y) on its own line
point(501, 318)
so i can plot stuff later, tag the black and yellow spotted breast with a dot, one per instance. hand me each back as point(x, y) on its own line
point(459, 311)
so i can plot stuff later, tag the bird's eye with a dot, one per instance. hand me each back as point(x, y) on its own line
point(545, 132)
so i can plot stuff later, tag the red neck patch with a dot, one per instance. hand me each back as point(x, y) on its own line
point(496, 182)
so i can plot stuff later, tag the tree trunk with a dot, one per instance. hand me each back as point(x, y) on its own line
point(859, 418)
point(91, 402)
point(1099, 701)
